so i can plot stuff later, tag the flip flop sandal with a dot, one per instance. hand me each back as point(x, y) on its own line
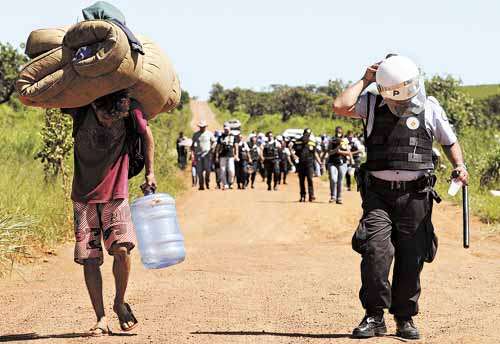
point(131, 317)
point(99, 331)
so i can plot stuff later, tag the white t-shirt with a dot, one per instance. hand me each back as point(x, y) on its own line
point(203, 142)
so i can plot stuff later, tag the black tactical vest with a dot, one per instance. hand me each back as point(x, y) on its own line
point(227, 142)
point(243, 153)
point(305, 150)
point(398, 143)
point(333, 156)
point(254, 152)
point(270, 151)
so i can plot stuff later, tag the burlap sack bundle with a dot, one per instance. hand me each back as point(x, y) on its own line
point(158, 88)
point(43, 40)
point(54, 79)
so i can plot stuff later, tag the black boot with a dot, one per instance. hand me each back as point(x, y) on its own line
point(370, 326)
point(312, 198)
point(302, 198)
point(406, 328)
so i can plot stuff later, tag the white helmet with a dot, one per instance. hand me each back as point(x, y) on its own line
point(398, 78)
point(400, 84)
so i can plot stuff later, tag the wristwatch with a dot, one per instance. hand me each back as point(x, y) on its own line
point(461, 165)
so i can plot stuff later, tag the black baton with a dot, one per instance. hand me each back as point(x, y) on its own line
point(465, 200)
point(465, 210)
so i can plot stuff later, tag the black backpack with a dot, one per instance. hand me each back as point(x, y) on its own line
point(134, 142)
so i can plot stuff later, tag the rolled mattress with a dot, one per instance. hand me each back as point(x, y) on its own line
point(158, 88)
point(56, 79)
point(43, 40)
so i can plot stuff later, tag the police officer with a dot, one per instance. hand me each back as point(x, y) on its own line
point(271, 161)
point(338, 153)
point(305, 153)
point(285, 159)
point(244, 160)
point(255, 156)
point(354, 162)
point(397, 192)
point(226, 154)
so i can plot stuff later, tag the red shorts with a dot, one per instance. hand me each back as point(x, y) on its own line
point(111, 221)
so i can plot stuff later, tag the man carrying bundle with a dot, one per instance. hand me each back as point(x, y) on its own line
point(110, 135)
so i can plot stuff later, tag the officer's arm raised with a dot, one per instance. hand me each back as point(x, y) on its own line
point(345, 103)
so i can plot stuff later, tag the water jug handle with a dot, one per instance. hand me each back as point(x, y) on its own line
point(147, 189)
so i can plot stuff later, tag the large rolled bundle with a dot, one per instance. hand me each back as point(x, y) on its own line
point(54, 79)
point(44, 40)
point(158, 88)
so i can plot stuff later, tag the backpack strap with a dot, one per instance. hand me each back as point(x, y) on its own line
point(78, 118)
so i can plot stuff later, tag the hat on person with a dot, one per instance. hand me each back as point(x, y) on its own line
point(202, 123)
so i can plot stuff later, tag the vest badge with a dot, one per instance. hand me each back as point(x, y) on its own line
point(413, 123)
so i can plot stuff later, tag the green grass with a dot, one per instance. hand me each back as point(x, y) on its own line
point(479, 92)
point(40, 213)
point(477, 145)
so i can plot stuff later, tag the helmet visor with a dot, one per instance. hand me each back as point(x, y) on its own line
point(408, 107)
point(402, 91)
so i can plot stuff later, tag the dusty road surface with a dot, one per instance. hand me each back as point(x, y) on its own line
point(261, 268)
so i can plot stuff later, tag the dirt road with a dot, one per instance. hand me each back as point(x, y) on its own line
point(262, 268)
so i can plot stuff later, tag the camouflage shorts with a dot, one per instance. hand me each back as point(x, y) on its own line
point(109, 221)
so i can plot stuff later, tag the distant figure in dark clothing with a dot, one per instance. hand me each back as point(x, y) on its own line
point(182, 151)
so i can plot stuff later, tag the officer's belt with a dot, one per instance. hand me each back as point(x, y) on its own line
point(418, 185)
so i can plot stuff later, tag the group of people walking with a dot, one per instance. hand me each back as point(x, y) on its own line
point(236, 159)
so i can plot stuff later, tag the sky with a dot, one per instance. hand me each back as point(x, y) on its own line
point(253, 44)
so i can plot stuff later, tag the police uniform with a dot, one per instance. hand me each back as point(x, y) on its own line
point(284, 154)
point(271, 162)
point(337, 166)
point(242, 165)
point(396, 188)
point(226, 159)
point(255, 155)
point(305, 150)
point(355, 162)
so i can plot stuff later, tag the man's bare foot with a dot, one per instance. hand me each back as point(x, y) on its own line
point(127, 319)
point(101, 328)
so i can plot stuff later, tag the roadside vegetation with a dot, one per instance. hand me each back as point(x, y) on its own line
point(476, 120)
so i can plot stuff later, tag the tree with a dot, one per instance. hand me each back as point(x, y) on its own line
point(231, 99)
point(57, 143)
point(184, 99)
point(333, 89)
point(254, 103)
point(10, 64)
point(294, 101)
point(217, 95)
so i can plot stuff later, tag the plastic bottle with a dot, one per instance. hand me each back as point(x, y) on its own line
point(455, 185)
point(161, 243)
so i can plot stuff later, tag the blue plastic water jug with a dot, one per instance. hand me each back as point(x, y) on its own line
point(160, 240)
